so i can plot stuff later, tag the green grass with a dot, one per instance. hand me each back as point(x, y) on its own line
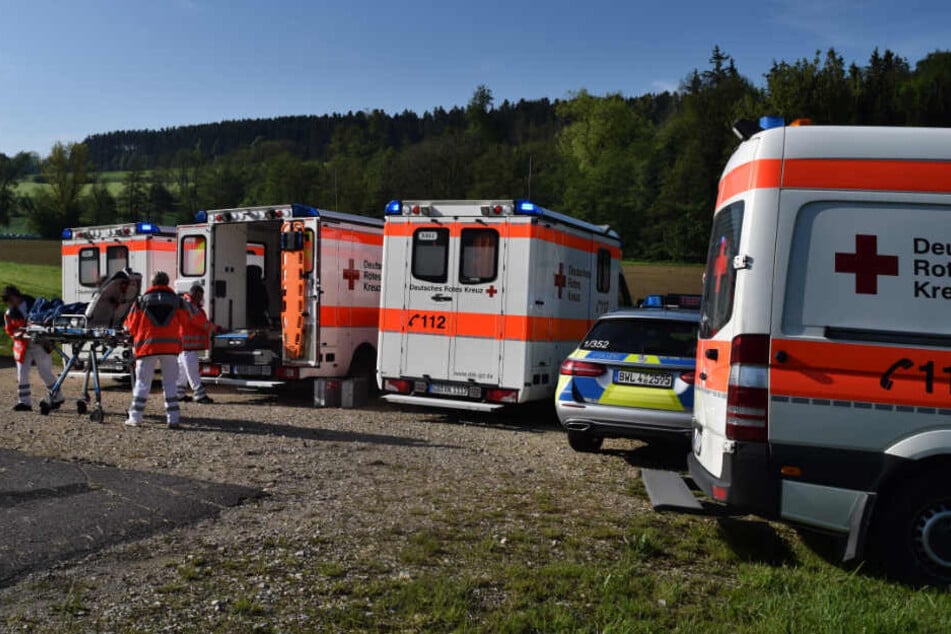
point(115, 181)
point(39, 280)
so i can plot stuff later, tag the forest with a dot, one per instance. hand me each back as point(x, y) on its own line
point(647, 165)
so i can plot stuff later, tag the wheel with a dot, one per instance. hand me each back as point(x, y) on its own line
point(44, 408)
point(96, 416)
point(82, 407)
point(914, 536)
point(584, 442)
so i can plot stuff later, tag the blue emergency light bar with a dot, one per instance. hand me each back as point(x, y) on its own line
point(303, 211)
point(201, 216)
point(672, 300)
point(654, 301)
point(67, 234)
point(146, 227)
point(769, 122)
point(394, 207)
point(526, 207)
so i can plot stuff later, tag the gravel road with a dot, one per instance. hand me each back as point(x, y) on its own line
point(345, 492)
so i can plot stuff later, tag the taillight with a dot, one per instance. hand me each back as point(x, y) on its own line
point(287, 373)
point(400, 386)
point(688, 377)
point(209, 369)
point(747, 396)
point(498, 395)
point(570, 367)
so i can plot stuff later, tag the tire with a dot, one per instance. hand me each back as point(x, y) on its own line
point(584, 442)
point(364, 366)
point(913, 536)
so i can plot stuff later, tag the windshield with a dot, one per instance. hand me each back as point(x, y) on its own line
point(665, 337)
point(719, 278)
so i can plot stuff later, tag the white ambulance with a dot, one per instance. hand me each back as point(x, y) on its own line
point(295, 291)
point(823, 392)
point(483, 300)
point(92, 254)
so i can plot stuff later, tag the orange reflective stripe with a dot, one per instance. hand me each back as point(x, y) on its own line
point(349, 316)
point(862, 372)
point(718, 372)
point(132, 245)
point(876, 175)
point(351, 235)
point(481, 325)
point(760, 174)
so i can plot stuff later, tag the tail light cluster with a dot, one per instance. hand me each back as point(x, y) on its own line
point(747, 405)
point(499, 395)
point(399, 386)
point(571, 367)
point(209, 369)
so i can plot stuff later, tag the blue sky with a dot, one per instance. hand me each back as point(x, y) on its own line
point(72, 68)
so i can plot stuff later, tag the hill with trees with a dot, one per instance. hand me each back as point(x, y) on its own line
point(647, 165)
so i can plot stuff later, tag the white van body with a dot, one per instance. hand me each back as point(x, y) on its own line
point(92, 254)
point(294, 291)
point(482, 300)
point(823, 390)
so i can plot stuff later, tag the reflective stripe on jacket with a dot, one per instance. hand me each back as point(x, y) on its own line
point(195, 329)
point(155, 322)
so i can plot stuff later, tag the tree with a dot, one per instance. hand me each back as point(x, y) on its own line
point(134, 196)
point(12, 169)
point(66, 171)
point(101, 207)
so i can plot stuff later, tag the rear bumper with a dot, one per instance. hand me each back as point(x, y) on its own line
point(443, 403)
point(614, 421)
point(746, 482)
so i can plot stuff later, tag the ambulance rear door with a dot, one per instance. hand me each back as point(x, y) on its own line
point(195, 263)
point(301, 289)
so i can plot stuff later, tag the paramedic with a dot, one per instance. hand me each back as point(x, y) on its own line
point(195, 332)
point(155, 323)
point(26, 352)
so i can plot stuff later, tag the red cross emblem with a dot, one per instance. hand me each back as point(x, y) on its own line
point(866, 264)
point(351, 274)
point(560, 280)
point(491, 291)
point(721, 264)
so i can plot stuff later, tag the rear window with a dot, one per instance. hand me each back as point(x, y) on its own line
point(719, 278)
point(665, 337)
point(117, 258)
point(479, 259)
point(431, 255)
point(193, 256)
point(89, 266)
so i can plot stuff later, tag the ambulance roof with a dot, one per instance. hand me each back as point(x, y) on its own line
point(127, 229)
point(281, 212)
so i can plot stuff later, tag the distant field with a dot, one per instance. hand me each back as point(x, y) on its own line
point(647, 278)
point(46, 252)
point(114, 183)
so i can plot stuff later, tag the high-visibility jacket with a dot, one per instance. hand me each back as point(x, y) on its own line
point(155, 322)
point(13, 320)
point(196, 329)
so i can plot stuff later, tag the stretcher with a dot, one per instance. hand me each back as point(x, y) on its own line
point(91, 338)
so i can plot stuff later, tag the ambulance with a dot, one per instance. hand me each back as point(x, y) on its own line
point(482, 300)
point(823, 393)
point(294, 291)
point(93, 254)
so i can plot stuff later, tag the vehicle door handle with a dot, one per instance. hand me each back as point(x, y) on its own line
point(703, 376)
point(782, 357)
point(712, 353)
point(439, 297)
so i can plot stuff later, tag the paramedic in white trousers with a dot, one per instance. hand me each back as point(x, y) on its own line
point(195, 333)
point(25, 351)
point(155, 323)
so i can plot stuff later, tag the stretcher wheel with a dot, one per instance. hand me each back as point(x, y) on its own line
point(56, 405)
point(96, 416)
point(81, 407)
point(44, 408)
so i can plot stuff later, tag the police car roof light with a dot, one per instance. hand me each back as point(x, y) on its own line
point(67, 234)
point(654, 301)
point(768, 122)
point(394, 207)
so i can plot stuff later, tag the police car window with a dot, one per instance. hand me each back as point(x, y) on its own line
point(117, 258)
point(669, 338)
point(431, 255)
point(479, 256)
point(604, 270)
point(89, 266)
point(193, 256)
point(719, 278)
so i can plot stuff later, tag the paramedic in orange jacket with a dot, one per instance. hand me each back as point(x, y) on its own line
point(25, 351)
point(195, 332)
point(155, 323)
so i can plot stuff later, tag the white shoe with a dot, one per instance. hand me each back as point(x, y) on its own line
point(131, 423)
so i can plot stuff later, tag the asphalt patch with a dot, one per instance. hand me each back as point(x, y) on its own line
point(51, 510)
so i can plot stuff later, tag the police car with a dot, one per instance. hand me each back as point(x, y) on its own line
point(632, 375)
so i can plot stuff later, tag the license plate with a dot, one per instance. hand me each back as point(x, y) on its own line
point(445, 389)
point(251, 370)
point(644, 379)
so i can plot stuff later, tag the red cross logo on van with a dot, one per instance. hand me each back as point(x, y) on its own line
point(560, 280)
point(866, 264)
point(721, 264)
point(351, 274)
point(491, 291)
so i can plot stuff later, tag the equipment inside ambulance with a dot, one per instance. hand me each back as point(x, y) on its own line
point(824, 356)
point(295, 290)
point(94, 254)
point(632, 376)
point(482, 300)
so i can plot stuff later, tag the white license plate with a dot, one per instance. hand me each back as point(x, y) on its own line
point(445, 389)
point(251, 370)
point(644, 379)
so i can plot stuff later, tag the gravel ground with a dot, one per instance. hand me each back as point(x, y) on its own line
point(346, 491)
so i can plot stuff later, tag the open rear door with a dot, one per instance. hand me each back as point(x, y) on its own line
point(195, 263)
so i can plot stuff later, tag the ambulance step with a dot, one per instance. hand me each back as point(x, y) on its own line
point(668, 492)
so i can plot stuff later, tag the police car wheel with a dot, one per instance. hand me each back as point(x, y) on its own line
point(915, 541)
point(584, 442)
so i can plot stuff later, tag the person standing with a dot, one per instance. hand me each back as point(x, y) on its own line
point(25, 351)
point(155, 323)
point(195, 333)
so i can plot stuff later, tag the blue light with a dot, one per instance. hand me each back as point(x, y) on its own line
point(201, 216)
point(146, 227)
point(303, 211)
point(67, 234)
point(525, 207)
point(654, 301)
point(394, 207)
point(769, 122)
